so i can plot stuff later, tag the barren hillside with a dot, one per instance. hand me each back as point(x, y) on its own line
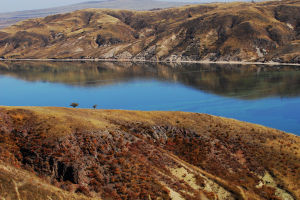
point(266, 31)
point(7, 19)
point(112, 154)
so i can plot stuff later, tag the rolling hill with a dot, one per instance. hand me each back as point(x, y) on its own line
point(111, 154)
point(7, 19)
point(267, 31)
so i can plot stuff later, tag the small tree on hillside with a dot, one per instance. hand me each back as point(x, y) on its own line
point(95, 106)
point(74, 105)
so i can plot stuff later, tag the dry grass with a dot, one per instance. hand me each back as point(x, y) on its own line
point(240, 28)
point(20, 184)
point(217, 156)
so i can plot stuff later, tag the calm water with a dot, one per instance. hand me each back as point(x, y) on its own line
point(260, 94)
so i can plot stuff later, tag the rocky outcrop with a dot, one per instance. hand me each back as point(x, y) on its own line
point(263, 32)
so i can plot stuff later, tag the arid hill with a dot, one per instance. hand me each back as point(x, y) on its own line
point(10, 18)
point(268, 31)
point(112, 154)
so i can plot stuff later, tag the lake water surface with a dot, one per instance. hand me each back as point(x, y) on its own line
point(264, 95)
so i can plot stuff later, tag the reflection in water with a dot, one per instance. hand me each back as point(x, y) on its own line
point(260, 94)
point(239, 81)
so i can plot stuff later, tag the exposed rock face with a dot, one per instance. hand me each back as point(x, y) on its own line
point(143, 155)
point(262, 32)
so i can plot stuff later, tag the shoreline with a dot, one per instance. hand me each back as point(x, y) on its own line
point(148, 111)
point(149, 61)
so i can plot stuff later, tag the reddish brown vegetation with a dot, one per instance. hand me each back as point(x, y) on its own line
point(131, 160)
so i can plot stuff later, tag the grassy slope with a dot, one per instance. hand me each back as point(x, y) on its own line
point(7, 19)
point(234, 31)
point(132, 154)
point(20, 184)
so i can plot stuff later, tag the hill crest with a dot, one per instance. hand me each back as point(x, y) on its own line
point(267, 31)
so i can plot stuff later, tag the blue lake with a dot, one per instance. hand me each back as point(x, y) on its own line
point(264, 95)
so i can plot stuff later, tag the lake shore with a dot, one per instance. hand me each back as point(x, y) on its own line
point(149, 61)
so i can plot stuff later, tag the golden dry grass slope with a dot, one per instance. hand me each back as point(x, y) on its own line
point(267, 31)
point(22, 185)
point(10, 18)
point(113, 154)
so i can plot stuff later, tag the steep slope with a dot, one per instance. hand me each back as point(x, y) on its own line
point(149, 155)
point(266, 31)
point(20, 184)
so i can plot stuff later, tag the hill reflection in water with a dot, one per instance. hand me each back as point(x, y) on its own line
point(237, 81)
point(260, 94)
